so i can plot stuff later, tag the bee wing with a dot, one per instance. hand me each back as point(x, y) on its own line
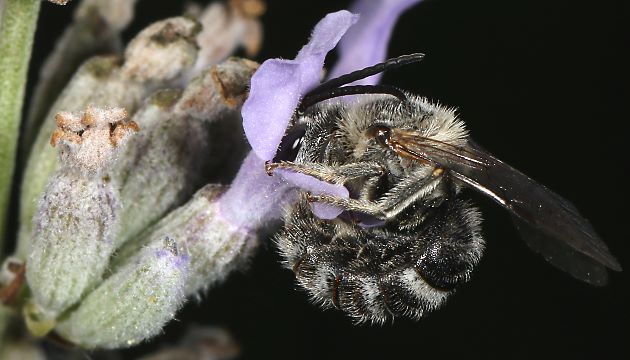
point(548, 223)
point(561, 255)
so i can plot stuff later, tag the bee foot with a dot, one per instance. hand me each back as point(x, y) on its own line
point(270, 167)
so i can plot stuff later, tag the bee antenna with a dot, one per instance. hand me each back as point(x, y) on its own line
point(366, 72)
point(313, 98)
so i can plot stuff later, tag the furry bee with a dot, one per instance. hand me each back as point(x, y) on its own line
point(408, 236)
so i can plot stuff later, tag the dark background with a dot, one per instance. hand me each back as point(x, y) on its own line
point(540, 85)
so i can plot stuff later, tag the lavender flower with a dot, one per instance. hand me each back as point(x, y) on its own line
point(276, 90)
point(97, 300)
point(266, 113)
point(365, 44)
point(145, 178)
point(278, 85)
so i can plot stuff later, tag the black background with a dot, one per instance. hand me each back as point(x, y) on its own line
point(541, 85)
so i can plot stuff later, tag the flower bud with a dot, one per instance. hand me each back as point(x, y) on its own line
point(78, 213)
point(226, 26)
point(159, 168)
point(218, 90)
point(215, 246)
point(182, 144)
point(163, 51)
point(91, 82)
point(157, 57)
point(134, 303)
point(95, 29)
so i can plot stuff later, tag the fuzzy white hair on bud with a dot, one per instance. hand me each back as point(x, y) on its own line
point(134, 303)
point(78, 214)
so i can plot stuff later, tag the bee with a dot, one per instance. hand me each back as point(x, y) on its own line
point(407, 236)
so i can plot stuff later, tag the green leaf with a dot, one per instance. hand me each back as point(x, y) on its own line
point(17, 27)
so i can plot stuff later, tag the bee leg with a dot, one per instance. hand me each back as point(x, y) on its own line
point(332, 174)
point(417, 186)
point(395, 201)
point(367, 207)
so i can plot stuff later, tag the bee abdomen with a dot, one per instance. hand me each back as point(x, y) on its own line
point(381, 299)
point(376, 276)
point(367, 297)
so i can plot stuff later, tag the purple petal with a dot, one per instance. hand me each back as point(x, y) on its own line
point(254, 197)
point(278, 85)
point(366, 43)
point(325, 211)
point(273, 97)
point(327, 34)
point(324, 38)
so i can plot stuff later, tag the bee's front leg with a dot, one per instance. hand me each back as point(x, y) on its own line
point(418, 184)
point(331, 174)
point(371, 208)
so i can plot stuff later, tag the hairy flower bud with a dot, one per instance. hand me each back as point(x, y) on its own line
point(162, 51)
point(134, 303)
point(78, 213)
point(95, 29)
point(218, 90)
point(182, 144)
point(105, 82)
point(216, 247)
point(227, 26)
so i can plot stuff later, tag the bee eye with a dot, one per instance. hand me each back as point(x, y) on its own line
point(290, 144)
point(381, 133)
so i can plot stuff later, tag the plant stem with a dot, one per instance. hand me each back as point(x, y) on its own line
point(17, 28)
